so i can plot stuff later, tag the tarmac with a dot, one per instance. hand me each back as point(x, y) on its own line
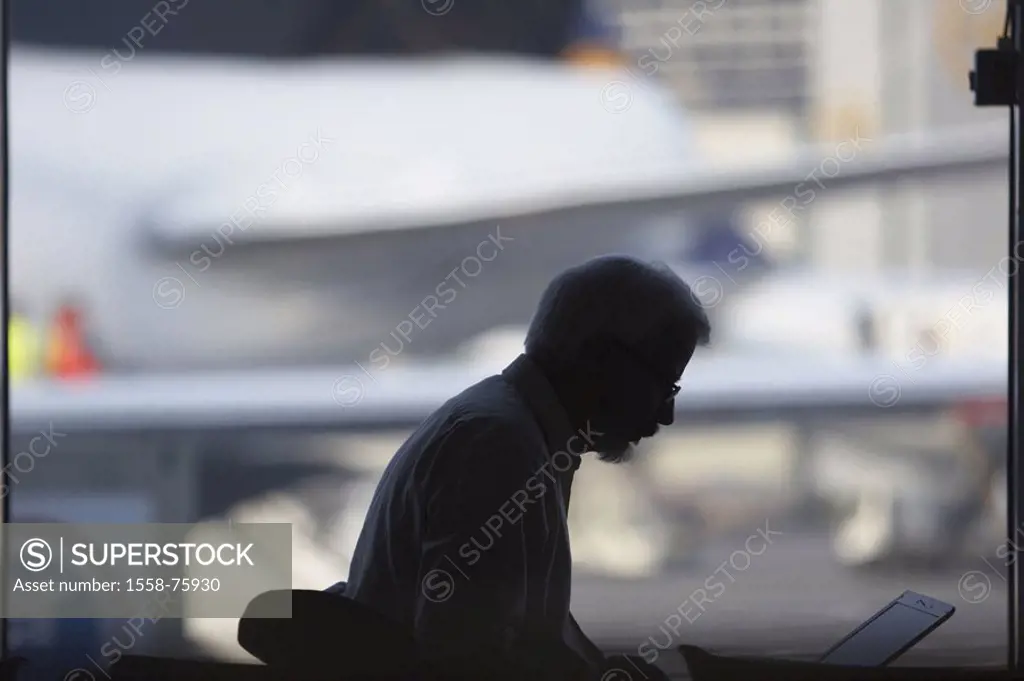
point(772, 588)
point(791, 601)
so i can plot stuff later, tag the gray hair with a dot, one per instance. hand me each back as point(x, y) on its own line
point(618, 297)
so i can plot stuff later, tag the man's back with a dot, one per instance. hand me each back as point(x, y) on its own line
point(466, 543)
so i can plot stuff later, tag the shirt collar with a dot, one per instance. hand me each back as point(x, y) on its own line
point(524, 374)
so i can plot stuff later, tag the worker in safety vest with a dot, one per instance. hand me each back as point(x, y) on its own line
point(68, 353)
point(23, 346)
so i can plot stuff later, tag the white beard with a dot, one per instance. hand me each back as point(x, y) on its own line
point(622, 455)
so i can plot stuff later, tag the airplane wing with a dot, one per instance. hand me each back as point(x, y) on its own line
point(665, 182)
point(344, 398)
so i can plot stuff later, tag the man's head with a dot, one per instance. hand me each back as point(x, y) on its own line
point(614, 336)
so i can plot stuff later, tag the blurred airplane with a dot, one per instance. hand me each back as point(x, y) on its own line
point(913, 318)
point(302, 191)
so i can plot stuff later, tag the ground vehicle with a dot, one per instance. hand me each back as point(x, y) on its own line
point(932, 495)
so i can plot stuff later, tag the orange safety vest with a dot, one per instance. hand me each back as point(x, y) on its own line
point(68, 354)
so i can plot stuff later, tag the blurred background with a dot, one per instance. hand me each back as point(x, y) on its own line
point(254, 242)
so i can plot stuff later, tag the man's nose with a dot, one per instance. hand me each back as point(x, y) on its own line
point(667, 413)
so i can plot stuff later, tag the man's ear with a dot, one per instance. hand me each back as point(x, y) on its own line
point(598, 351)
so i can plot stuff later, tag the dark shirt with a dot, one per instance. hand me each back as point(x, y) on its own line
point(466, 541)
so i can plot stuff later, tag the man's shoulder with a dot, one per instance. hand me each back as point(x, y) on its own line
point(486, 428)
point(486, 446)
point(487, 418)
point(480, 428)
point(490, 408)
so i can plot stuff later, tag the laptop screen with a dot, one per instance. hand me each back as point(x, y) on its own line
point(885, 636)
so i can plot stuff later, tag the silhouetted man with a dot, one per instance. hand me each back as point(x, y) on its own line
point(466, 541)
